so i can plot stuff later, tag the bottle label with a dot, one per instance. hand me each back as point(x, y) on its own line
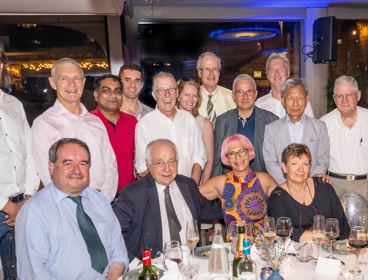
point(247, 276)
point(238, 254)
point(246, 247)
point(146, 258)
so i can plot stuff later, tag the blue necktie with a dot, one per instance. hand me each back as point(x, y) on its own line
point(95, 247)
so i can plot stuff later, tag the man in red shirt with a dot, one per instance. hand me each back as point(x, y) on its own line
point(120, 126)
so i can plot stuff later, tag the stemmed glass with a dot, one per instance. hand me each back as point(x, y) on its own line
point(357, 241)
point(173, 252)
point(332, 231)
point(249, 232)
point(269, 230)
point(318, 232)
point(363, 221)
point(283, 227)
point(233, 234)
point(192, 236)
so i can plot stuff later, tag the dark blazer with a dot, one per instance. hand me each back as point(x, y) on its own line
point(227, 125)
point(138, 211)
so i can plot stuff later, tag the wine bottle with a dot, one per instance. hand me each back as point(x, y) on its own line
point(239, 251)
point(147, 273)
point(247, 269)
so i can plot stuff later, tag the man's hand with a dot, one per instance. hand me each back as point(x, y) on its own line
point(12, 210)
point(324, 177)
point(141, 175)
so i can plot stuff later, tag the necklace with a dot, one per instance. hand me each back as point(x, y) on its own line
point(303, 193)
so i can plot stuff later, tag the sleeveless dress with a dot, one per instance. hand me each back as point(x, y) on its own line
point(243, 198)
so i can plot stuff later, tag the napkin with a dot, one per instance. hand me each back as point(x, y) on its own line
point(173, 271)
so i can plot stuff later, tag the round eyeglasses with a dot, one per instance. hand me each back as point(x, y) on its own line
point(241, 153)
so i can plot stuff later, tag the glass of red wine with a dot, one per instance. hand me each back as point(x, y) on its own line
point(173, 252)
point(357, 241)
point(332, 231)
point(283, 227)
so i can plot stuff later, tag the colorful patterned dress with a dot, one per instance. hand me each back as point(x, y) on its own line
point(243, 198)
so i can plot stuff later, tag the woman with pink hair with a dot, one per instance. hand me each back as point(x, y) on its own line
point(243, 192)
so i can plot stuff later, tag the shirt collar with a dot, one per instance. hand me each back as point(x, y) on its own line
point(140, 108)
point(59, 195)
point(214, 93)
point(104, 119)
point(301, 122)
point(250, 118)
point(161, 188)
point(59, 108)
point(164, 117)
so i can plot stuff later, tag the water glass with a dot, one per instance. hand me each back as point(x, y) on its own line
point(304, 252)
point(189, 271)
point(221, 278)
point(173, 252)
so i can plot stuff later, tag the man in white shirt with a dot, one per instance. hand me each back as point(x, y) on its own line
point(167, 122)
point(216, 99)
point(278, 70)
point(19, 179)
point(347, 127)
point(68, 118)
point(131, 76)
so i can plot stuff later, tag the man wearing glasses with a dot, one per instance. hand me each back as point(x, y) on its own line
point(216, 99)
point(167, 122)
point(348, 130)
point(246, 119)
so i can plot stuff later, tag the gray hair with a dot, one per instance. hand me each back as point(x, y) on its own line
point(162, 142)
point(277, 56)
point(162, 75)
point(53, 151)
point(292, 83)
point(244, 77)
point(208, 54)
point(346, 79)
point(64, 61)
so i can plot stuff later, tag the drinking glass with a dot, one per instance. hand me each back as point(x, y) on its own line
point(269, 229)
point(249, 232)
point(283, 227)
point(233, 234)
point(304, 252)
point(318, 232)
point(332, 231)
point(356, 277)
point(363, 221)
point(173, 252)
point(190, 272)
point(358, 241)
point(192, 236)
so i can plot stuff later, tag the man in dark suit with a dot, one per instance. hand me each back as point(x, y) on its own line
point(247, 119)
point(155, 209)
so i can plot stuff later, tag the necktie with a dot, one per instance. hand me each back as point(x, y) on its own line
point(174, 224)
point(210, 109)
point(95, 247)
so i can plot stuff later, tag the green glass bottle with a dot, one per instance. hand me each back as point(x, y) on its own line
point(247, 269)
point(147, 273)
point(239, 251)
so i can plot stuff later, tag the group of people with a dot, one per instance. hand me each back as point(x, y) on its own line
point(205, 152)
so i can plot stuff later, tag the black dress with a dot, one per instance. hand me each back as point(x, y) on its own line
point(325, 202)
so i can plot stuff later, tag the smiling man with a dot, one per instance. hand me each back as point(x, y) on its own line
point(167, 122)
point(69, 118)
point(296, 127)
point(120, 126)
point(246, 119)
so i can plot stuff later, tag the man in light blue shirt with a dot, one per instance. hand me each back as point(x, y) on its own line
point(295, 129)
point(51, 227)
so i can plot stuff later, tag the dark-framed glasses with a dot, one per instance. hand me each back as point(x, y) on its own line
point(162, 91)
point(344, 96)
point(241, 153)
point(162, 164)
point(247, 92)
point(208, 70)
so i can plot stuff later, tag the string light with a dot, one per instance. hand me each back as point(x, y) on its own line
point(48, 65)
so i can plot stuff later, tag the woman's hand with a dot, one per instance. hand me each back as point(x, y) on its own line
point(307, 236)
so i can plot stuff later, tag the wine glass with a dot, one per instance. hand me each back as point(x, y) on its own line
point(249, 232)
point(283, 227)
point(318, 232)
point(363, 221)
point(332, 231)
point(269, 229)
point(357, 241)
point(192, 236)
point(173, 252)
point(233, 234)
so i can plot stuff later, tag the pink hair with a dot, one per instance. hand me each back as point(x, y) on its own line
point(233, 140)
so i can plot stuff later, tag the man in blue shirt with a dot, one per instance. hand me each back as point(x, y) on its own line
point(69, 231)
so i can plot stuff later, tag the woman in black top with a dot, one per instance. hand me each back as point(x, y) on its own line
point(301, 198)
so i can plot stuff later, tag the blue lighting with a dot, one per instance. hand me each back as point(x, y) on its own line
point(244, 34)
point(268, 52)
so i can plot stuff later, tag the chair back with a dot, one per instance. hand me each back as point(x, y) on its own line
point(354, 206)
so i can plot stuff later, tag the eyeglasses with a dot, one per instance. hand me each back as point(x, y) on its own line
point(345, 96)
point(162, 91)
point(241, 153)
point(248, 92)
point(208, 70)
point(162, 164)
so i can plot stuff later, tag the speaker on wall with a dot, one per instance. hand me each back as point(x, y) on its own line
point(325, 39)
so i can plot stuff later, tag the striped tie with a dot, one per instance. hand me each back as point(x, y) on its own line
point(209, 111)
point(174, 224)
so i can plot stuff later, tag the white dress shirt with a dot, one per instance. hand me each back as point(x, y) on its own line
point(17, 167)
point(181, 209)
point(182, 131)
point(295, 130)
point(56, 123)
point(273, 105)
point(348, 147)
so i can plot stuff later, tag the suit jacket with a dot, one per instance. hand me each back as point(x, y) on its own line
point(227, 125)
point(138, 211)
point(277, 138)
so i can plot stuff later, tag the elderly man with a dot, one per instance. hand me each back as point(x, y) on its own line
point(19, 179)
point(155, 209)
point(69, 118)
point(167, 122)
point(120, 126)
point(216, 100)
point(348, 130)
point(278, 70)
point(296, 127)
point(68, 231)
point(132, 78)
point(246, 119)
